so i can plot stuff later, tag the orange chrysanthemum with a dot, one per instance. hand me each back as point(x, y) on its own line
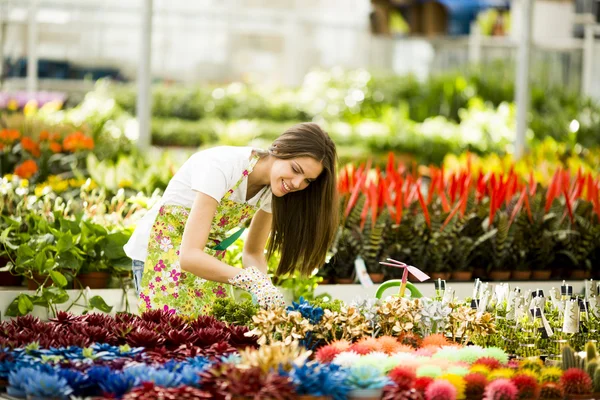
point(78, 141)
point(30, 146)
point(44, 135)
point(9, 135)
point(26, 169)
point(55, 147)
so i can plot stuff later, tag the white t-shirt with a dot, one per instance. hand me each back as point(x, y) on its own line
point(213, 172)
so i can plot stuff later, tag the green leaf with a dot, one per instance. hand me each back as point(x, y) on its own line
point(58, 278)
point(55, 294)
point(5, 233)
point(40, 261)
point(114, 245)
point(68, 261)
point(25, 304)
point(65, 243)
point(99, 303)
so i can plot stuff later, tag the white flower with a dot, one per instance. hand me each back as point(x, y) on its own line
point(346, 359)
point(165, 244)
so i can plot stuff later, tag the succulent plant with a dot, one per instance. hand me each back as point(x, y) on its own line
point(319, 379)
point(367, 377)
point(150, 391)
point(501, 389)
point(476, 384)
point(551, 391)
point(527, 386)
point(47, 386)
point(440, 390)
point(576, 381)
point(118, 383)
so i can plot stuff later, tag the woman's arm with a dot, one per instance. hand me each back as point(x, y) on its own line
point(192, 257)
point(254, 247)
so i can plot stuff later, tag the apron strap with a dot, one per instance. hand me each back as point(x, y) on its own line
point(228, 241)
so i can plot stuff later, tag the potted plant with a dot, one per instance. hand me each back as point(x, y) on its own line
point(367, 382)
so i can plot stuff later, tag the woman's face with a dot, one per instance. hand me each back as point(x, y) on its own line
point(293, 174)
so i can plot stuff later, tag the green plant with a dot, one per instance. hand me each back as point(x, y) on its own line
point(232, 312)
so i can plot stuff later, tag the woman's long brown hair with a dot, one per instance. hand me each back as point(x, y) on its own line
point(305, 222)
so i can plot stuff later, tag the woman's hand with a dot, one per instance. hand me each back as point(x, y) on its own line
point(259, 286)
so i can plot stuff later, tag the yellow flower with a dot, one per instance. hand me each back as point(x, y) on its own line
point(24, 183)
point(480, 369)
point(458, 382)
point(13, 105)
point(125, 183)
point(506, 373)
point(30, 108)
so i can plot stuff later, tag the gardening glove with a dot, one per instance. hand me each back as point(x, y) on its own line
point(259, 286)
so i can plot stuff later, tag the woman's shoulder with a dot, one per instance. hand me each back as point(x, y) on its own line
point(224, 153)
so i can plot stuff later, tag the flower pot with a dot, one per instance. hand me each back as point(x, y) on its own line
point(461, 275)
point(480, 273)
point(580, 274)
point(93, 280)
point(440, 275)
point(344, 281)
point(589, 396)
point(36, 282)
point(8, 279)
point(497, 275)
point(365, 394)
point(325, 281)
point(376, 277)
point(541, 275)
point(15, 392)
point(520, 275)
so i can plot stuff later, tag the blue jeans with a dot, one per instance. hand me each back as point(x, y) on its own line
point(137, 267)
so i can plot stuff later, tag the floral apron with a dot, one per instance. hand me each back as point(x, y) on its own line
point(164, 286)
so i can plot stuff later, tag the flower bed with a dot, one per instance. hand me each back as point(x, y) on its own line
point(392, 349)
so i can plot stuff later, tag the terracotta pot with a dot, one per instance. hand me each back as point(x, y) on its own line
point(580, 274)
point(93, 280)
point(498, 275)
point(440, 275)
point(461, 275)
point(589, 396)
point(376, 278)
point(8, 279)
point(520, 275)
point(36, 282)
point(344, 281)
point(325, 281)
point(541, 275)
point(365, 394)
point(480, 273)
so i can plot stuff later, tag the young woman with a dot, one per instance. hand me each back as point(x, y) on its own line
point(289, 192)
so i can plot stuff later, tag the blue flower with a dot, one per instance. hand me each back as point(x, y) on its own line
point(232, 358)
point(19, 377)
point(118, 383)
point(198, 361)
point(307, 310)
point(77, 380)
point(163, 378)
point(48, 385)
point(367, 377)
point(190, 375)
point(97, 374)
point(320, 380)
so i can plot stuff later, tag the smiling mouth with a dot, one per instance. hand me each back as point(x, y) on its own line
point(286, 188)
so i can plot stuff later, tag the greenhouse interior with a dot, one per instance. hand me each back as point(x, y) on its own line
point(300, 199)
